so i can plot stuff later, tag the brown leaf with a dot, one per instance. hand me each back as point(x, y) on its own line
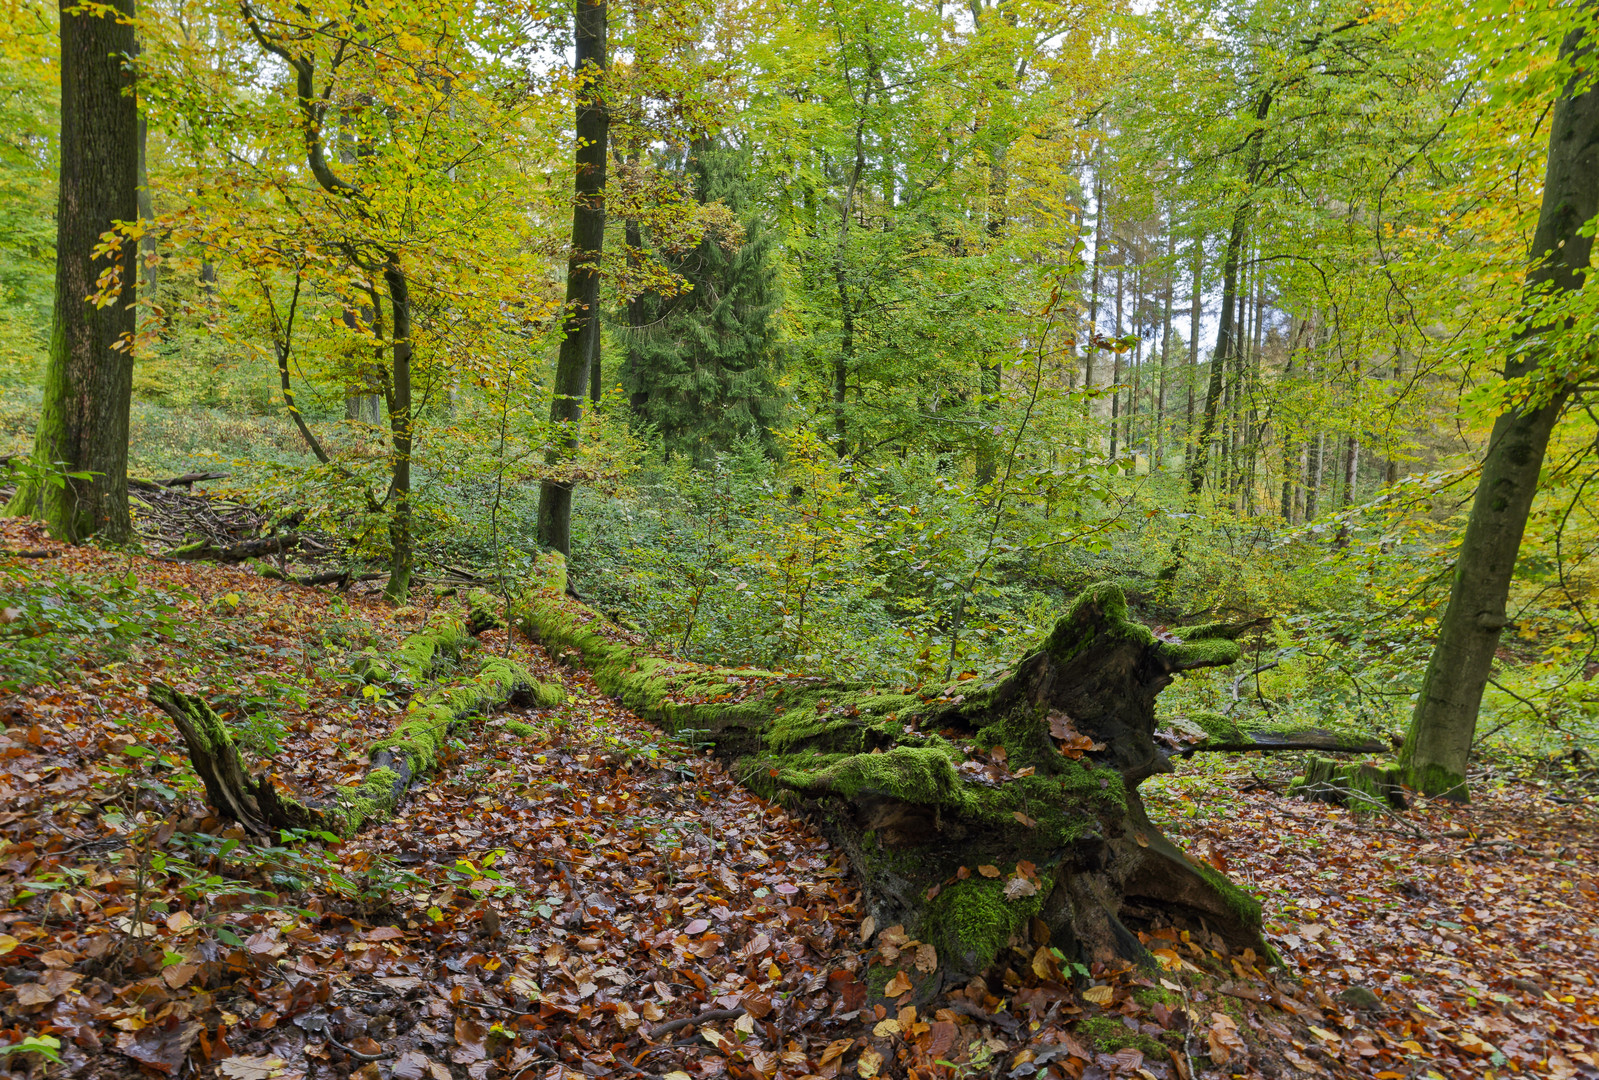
point(178, 975)
point(988, 870)
point(469, 1038)
point(1018, 887)
point(161, 1046)
point(834, 1051)
point(411, 1065)
point(898, 985)
point(926, 958)
point(1099, 995)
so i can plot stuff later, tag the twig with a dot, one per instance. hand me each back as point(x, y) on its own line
point(703, 1018)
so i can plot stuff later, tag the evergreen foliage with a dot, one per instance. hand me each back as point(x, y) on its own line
point(701, 364)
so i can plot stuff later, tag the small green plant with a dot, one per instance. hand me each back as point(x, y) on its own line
point(47, 1046)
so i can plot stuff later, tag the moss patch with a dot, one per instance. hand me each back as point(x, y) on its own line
point(1108, 1035)
point(972, 923)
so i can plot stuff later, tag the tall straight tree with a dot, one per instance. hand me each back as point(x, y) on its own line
point(83, 425)
point(579, 345)
point(1444, 723)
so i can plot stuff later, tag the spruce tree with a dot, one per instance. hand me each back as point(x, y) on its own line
point(701, 365)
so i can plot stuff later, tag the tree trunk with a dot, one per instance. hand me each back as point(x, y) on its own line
point(1229, 295)
point(1116, 370)
point(401, 555)
point(1165, 354)
point(1194, 312)
point(582, 272)
point(1438, 744)
point(979, 817)
point(1090, 351)
point(1443, 727)
point(88, 385)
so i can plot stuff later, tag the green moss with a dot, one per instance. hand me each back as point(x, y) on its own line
point(1156, 995)
point(520, 730)
point(1245, 908)
point(971, 922)
point(1202, 652)
point(1108, 1035)
point(1437, 781)
point(429, 717)
point(924, 775)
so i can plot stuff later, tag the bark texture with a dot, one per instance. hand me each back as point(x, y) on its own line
point(580, 343)
point(1444, 724)
point(88, 386)
point(981, 817)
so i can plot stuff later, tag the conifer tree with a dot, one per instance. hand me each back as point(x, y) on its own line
point(701, 364)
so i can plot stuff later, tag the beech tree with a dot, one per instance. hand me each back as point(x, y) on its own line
point(1542, 379)
point(78, 479)
point(580, 342)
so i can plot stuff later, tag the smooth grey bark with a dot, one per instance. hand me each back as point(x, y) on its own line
point(88, 387)
point(1438, 744)
point(593, 124)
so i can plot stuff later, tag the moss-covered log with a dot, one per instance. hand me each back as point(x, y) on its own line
point(982, 816)
point(240, 552)
point(409, 752)
point(1213, 732)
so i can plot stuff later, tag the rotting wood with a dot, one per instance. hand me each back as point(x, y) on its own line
point(978, 817)
point(407, 754)
point(249, 549)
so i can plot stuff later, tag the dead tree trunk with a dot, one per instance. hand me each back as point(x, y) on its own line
point(981, 817)
point(408, 753)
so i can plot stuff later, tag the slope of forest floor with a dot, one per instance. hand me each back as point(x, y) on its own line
point(575, 893)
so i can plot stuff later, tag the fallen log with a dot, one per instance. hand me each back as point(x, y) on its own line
point(1271, 740)
point(407, 754)
point(978, 817)
point(237, 553)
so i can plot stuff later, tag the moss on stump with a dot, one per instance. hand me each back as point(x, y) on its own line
point(967, 812)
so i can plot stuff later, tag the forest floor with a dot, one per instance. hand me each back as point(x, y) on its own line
point(573, 892)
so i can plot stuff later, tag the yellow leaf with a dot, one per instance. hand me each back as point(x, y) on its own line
point(1099, 995)
point(886, 1028)
point(988, 871)
point(870, 1061)
point(835, 1050)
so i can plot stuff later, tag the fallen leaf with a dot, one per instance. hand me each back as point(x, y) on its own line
point(868, 1064)
point(926, 958)
point(898, 985)
point(1018, 887)
point(988, 871)
point(1099, 995)
point(265, 1068)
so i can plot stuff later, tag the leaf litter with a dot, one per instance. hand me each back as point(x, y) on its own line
point(575, 894)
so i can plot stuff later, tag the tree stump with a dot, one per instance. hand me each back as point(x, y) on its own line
point(980, 817)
